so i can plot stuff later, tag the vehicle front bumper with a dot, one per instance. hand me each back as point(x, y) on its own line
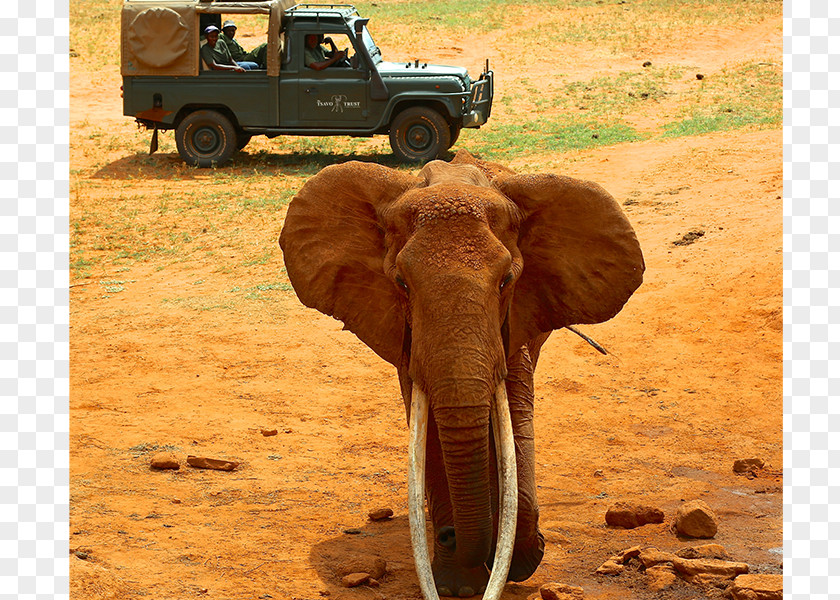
point(481, 101)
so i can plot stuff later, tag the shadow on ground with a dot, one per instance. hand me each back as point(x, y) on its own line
point(358, 549)
point(169, 166)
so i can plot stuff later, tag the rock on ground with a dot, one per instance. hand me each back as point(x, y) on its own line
point(704, 551)
point(757, 587)
point(374, 566)
point(610, 567)
point(630, 516)
point(709, 567)
point(660, 577)
point(164, 460)
point(380, 514)
point(747, 464)
point(560, 591)
point(695, 519)
point(355, 579)
point(202, 462)
point(654, 556)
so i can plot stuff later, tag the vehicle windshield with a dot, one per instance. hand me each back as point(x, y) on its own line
point(371, 46)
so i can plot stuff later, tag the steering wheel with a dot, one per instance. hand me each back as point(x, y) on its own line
point(345, 62)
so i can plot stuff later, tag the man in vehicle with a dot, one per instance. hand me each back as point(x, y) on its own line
point(216, 55)
point(315, 57)
point(236, 50)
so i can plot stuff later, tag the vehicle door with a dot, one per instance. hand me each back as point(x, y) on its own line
point(337, 96)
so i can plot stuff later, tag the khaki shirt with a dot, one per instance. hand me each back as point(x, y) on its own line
point(313, 55)
point(218, 54)
point(237, 52)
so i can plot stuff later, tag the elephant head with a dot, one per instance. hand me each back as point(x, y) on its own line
point(456, 276)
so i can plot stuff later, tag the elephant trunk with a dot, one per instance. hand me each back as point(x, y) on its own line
point(506, 455)
point(465, 444)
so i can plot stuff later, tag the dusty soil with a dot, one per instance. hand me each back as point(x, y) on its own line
point(692, 382)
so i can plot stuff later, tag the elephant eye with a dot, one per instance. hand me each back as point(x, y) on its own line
point(401, 283)
point(508, 278)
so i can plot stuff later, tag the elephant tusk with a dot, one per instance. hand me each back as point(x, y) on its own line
point(418, 426)
point(506, 457)
point(508, 491)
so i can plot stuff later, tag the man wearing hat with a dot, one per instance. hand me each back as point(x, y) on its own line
point(228, 33)
point(216, 55)
point(257, 55)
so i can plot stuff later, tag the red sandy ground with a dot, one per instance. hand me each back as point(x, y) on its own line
point(693, 382)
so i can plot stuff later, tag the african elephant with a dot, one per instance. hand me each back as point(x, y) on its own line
point(456, 277)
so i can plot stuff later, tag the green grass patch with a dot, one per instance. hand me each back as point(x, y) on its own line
point(551, 135)
point(747, 95)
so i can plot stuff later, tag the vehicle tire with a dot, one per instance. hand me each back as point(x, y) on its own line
point(419, 134)
point(242, 139)
point(454, 132)
point(206, 138)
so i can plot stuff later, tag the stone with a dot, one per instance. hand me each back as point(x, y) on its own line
point(560, 591)
point(555, 537)
point(202, 462)
point(695, 519)
point(660, 577)
point(654, 556)
point(611, 567)
point(746, 465)
point(164, 460)
point(757, 587)
point(630, 516)
point(374, 566)
point(630, 553)
point(355, 579)
point(268, 432)
point(709, 566)
point(704, 551)
point(380, 514)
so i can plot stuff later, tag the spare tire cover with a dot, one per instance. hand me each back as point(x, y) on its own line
point(158, 37)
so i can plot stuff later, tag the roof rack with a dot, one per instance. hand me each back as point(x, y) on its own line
point(319, 10)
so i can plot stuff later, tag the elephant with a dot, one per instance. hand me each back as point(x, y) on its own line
point(457, 276)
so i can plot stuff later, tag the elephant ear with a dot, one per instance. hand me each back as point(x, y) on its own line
point(581, 258)
point(333, 247)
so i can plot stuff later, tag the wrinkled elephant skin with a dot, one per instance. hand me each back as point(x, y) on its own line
point(457, 276)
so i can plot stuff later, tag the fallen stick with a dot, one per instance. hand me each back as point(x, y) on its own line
point(591, 342)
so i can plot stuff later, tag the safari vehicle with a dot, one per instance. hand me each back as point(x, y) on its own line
point(166, 86)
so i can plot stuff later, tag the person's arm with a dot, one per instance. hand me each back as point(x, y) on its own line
point(220, 67)
point(321, 65)
point(210, 60)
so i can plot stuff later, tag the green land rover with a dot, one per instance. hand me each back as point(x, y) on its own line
point(214, 113)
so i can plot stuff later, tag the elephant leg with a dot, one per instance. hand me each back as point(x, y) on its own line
point(528, 549)
point(451, 579)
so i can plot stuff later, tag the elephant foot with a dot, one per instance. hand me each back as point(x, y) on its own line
point(526, 558)
point(451, 579)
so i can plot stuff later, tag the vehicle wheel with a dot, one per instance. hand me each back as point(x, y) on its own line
point(206, 138)
point(242, 139)
point(454, 132)
point(419, 134)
